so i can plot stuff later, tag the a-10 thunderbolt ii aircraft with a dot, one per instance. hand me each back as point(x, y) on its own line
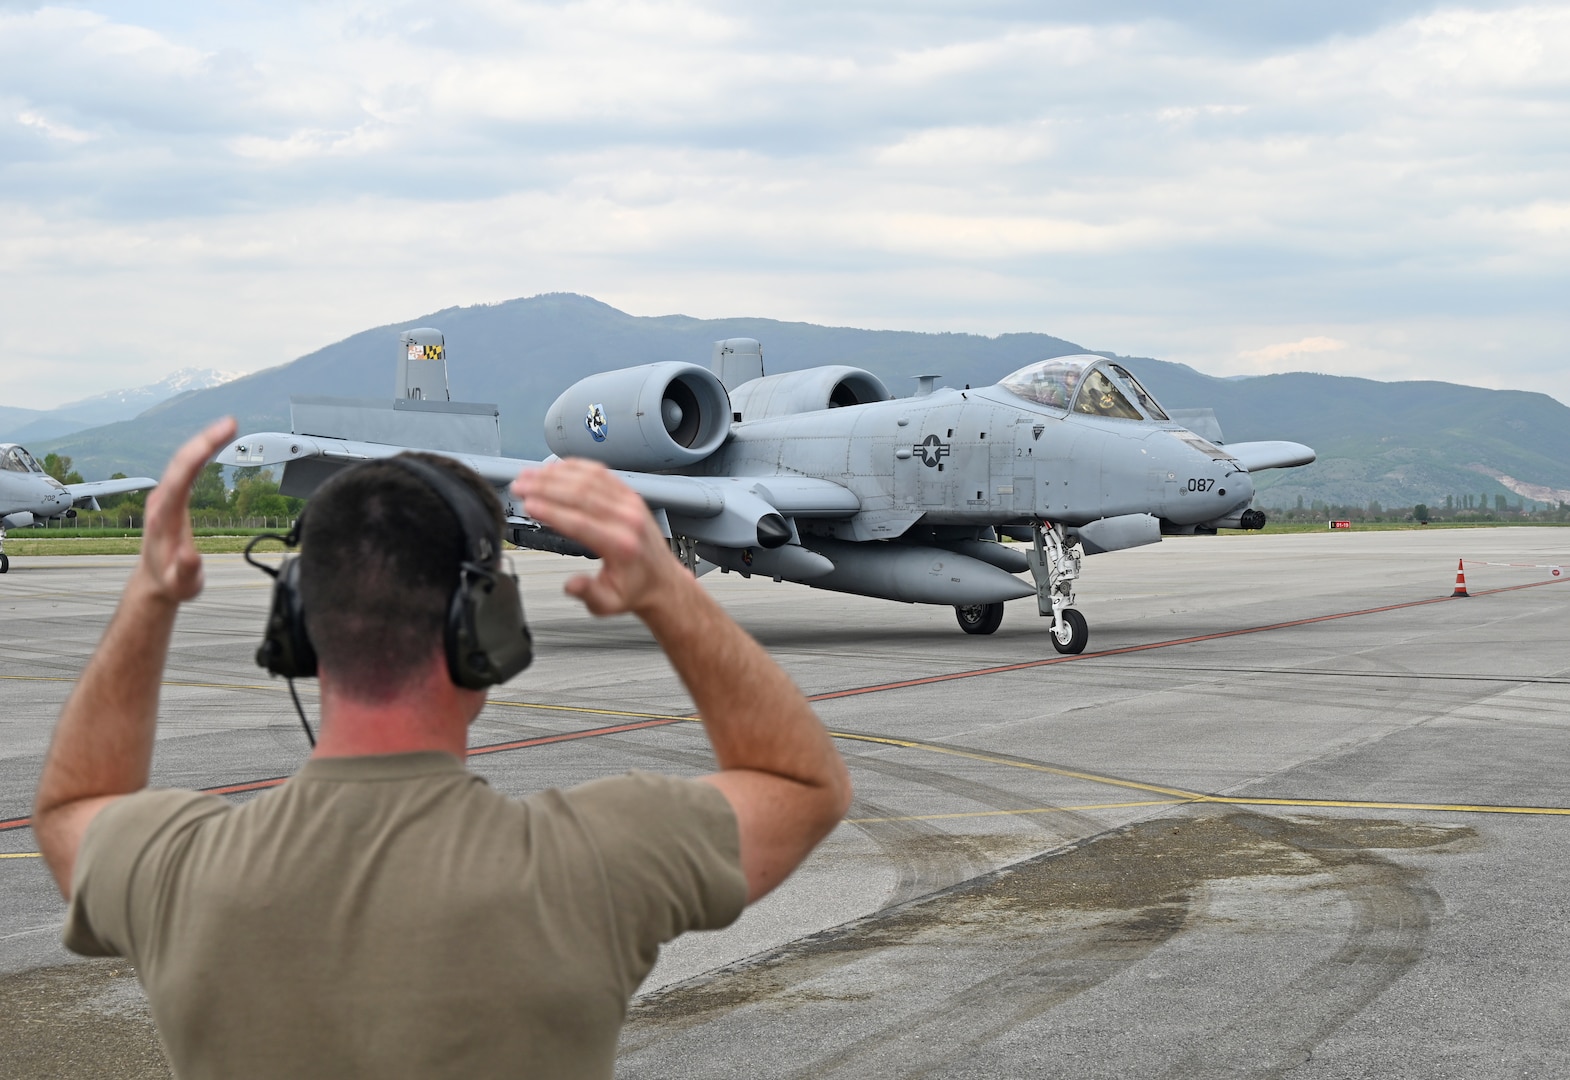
point(28, 495)
point(822, 477)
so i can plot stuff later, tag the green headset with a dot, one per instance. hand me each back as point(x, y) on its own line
point(486, 639)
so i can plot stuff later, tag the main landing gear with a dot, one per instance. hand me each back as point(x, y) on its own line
point(979, 618)
point(1054, 563)
point(5, 560)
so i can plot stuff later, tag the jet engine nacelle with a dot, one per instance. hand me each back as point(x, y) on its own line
point(812, 390)
point(658, 416)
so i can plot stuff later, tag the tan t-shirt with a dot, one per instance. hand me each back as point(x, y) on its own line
point(395, 917)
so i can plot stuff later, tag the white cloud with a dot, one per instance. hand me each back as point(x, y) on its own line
point(1271, 357)
point(62, 132)
point(1186, 190)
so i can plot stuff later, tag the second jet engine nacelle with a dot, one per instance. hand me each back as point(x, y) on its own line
point(812, 390)
point(658, 416)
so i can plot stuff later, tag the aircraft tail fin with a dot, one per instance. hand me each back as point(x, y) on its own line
point(737, 360)
point(422, 366)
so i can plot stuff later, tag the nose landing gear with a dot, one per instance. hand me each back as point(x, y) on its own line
point(1054, 564)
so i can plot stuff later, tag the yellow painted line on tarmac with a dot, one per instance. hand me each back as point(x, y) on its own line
point(21, 855)
point(1349, 804)
point(1011, 813)
point(1174, 795)
point(1181, 796)
point(973, 755)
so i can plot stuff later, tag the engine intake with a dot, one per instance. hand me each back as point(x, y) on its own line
point(810, 390)
point(658, 416)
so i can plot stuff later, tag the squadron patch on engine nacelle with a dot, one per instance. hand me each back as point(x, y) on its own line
point(596, 423)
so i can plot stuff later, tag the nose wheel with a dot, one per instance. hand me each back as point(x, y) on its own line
point(1072, 633)
point(1054, 562)
point(979, 618)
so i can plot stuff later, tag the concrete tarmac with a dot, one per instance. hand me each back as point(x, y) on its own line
point(1295, 811)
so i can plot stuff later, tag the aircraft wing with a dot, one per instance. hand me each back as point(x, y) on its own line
point(1256, 456)
point(86, 495)
point(728, 511)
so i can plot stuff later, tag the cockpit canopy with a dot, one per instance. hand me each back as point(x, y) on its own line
point(17, 459)
point(1092, 385)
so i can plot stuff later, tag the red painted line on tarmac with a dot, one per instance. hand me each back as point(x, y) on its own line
point(1029, 664)
point(570, 736)
point(9, 824)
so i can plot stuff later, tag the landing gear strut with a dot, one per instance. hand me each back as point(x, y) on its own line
point(1054, 564)
point(686, 550)
point(979, 618)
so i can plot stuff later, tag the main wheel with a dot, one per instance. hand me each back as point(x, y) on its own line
point(5, 562)
point(1078, 633)
point(979, 618)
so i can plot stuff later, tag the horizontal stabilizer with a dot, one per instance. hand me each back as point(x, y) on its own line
point(1256, 456)
point(456, 427)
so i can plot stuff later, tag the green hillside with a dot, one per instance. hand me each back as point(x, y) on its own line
point(1394, 443)
point(1397, 443)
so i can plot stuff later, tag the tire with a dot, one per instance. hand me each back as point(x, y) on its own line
point(5, 562)
point(1078, 633)
point(979, 618)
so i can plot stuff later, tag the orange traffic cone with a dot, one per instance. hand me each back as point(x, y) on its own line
point(1460, 580)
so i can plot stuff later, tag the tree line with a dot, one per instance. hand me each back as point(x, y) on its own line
point(1461, 509)
point(254, 493)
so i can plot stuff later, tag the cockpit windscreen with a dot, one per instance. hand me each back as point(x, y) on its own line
point(1049, 382)
point(1100, 396)
point(17, 459)
point(1088, 385)
point(1146, 402)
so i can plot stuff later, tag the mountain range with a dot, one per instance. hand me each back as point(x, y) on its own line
point(1395, 443)
point(35, 425)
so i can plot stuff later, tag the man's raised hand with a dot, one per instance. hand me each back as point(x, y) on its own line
point(582, 500)
point(170, 563)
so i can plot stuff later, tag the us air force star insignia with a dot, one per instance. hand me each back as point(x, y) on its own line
point(596, 423)
point(932, 450)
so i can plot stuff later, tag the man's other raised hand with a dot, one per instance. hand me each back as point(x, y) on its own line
point(170, 564)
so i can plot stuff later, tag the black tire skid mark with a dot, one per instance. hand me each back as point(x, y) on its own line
point(927, 860)
point(1392, 912)
point(924, 857)
point(1063, 824)
point(1078, 961)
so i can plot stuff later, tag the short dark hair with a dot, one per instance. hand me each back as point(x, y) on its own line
point(379, 558)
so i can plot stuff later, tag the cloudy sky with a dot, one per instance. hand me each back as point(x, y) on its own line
point(1374, 187)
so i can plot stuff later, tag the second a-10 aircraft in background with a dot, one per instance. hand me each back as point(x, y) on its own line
point(30, 496)
point(822, 477)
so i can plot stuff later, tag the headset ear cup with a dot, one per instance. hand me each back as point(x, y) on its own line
point(286, 648)
point(487, 638)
